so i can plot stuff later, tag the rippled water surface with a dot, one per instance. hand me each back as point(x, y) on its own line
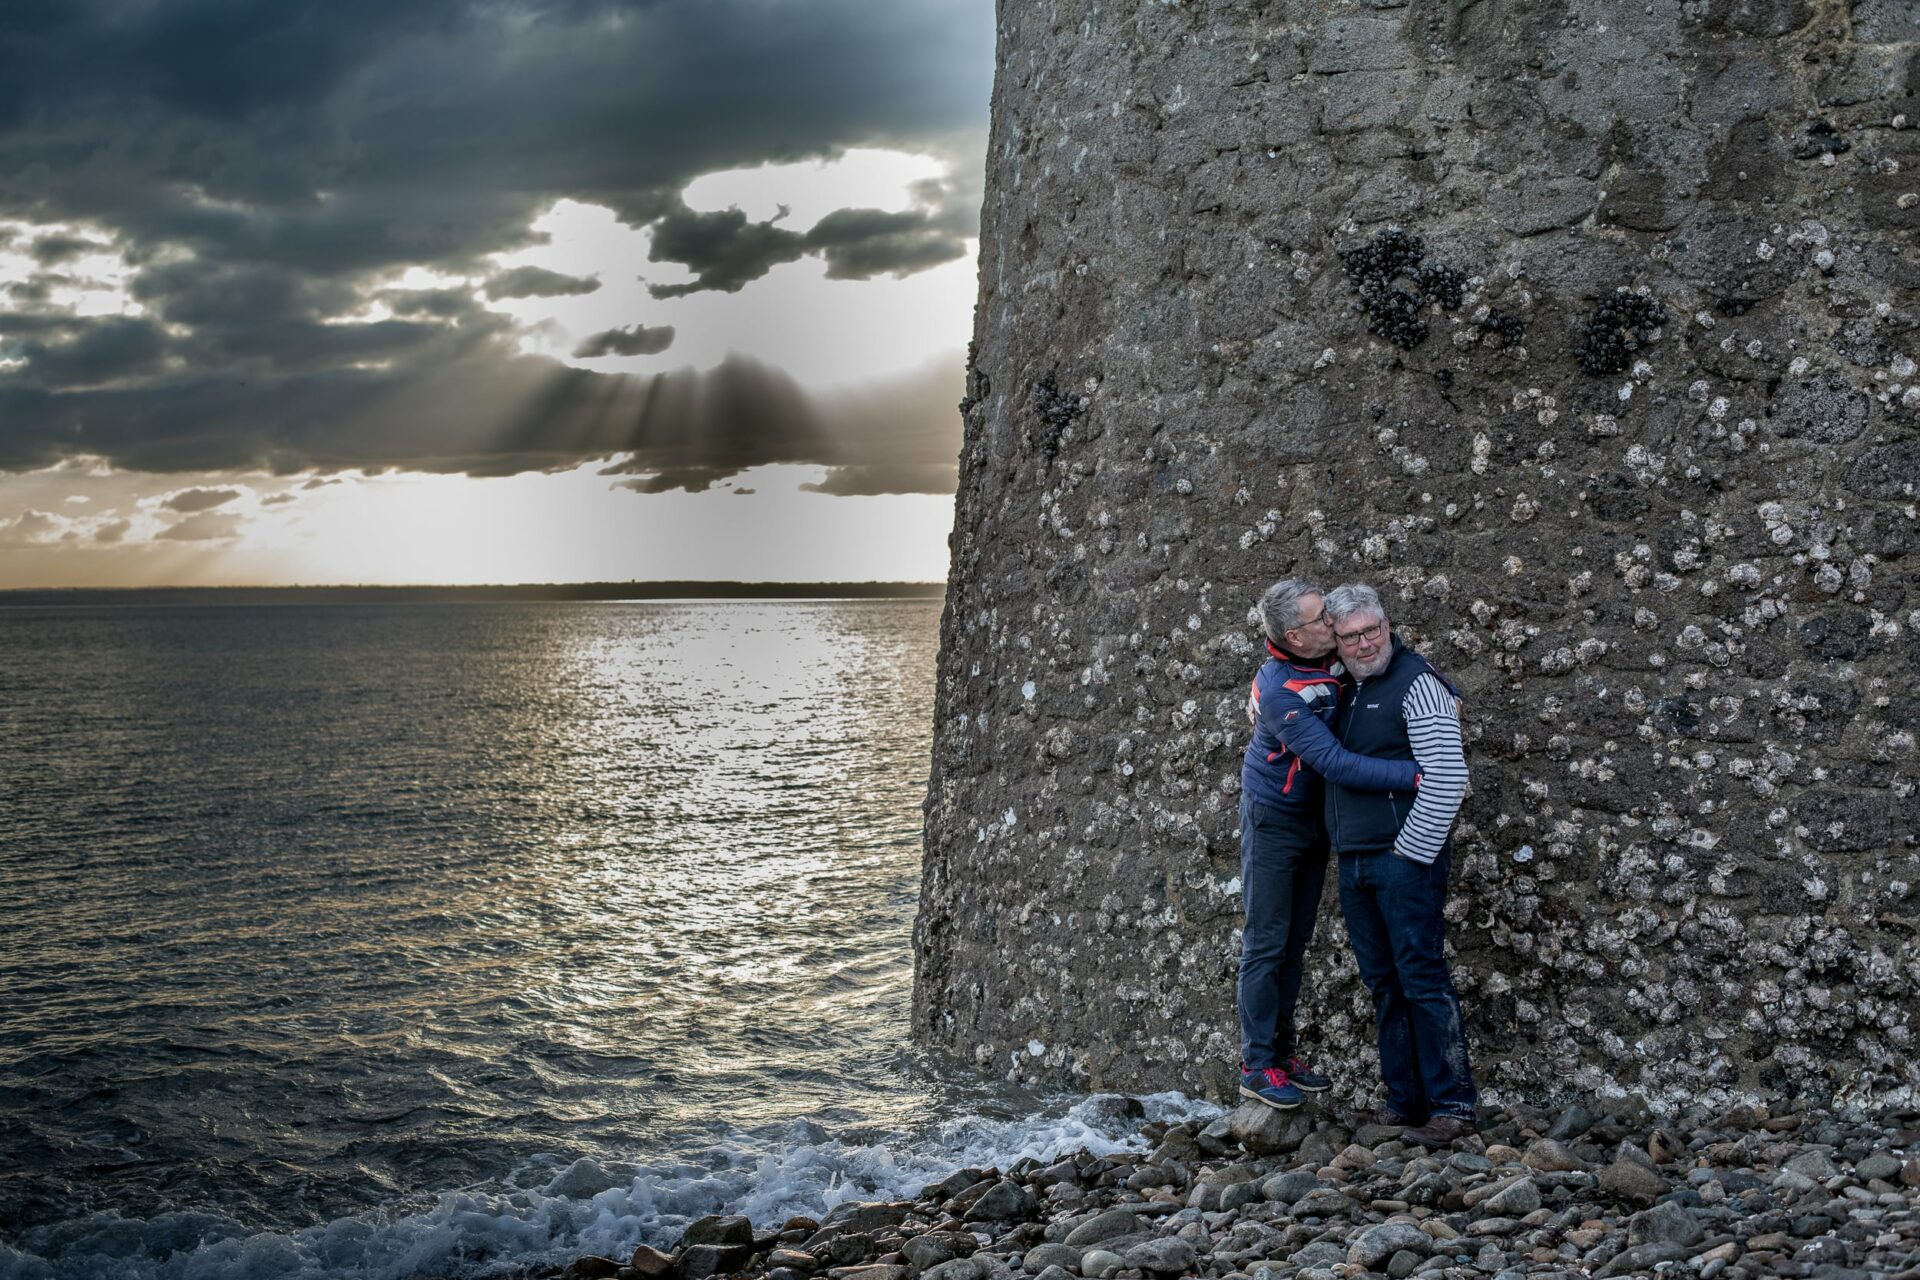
point(335, 934)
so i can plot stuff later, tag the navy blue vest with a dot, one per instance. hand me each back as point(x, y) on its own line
point(1369, 721)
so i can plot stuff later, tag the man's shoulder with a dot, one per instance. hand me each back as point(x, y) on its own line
point(1416, 666)
point(1304, 681)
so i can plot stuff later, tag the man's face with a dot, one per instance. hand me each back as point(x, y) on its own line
point(1313, 638)
point(1364, 647)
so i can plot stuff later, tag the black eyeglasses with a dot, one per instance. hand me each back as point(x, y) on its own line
point(1367, 634)
point(1314, 622)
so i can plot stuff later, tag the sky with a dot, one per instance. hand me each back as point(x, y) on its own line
point(449, 291)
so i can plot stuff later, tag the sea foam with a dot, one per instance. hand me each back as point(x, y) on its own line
point(582, 1206)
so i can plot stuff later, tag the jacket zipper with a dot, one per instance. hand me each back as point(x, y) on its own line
point(1333, 792)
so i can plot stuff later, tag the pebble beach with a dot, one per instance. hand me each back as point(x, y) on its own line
point(1594, 1189)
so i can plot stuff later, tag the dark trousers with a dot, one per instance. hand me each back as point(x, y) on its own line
point(1283, 869)
point(1392, 907)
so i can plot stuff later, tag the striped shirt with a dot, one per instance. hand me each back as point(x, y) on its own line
point(1432, 714)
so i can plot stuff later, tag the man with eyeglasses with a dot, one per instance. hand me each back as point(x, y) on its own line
point(1283, 840)
point(1395, 852)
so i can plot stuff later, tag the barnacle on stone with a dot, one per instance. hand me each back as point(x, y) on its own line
point(1393, 313)
point(1622, 323)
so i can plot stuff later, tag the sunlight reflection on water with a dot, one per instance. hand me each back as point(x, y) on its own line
point(310, 905)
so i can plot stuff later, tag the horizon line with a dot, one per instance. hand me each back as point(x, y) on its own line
point(632, 589)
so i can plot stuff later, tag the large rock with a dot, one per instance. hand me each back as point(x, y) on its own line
point(858, 1215)
point(702, 1260)
point(1666, 1221)
point(935, 1247)
point(1103, 1226)
point(1052, 1255)
point(1631, 1181)
point(1659, 540)
point(1549, 1156)
point(1002, 1202)
point(650, 1264)
point(718, 1229)
point(1290, 1186)
point(1264, 1131)
point(1514, 1200)
point(1641, 1257)
point(1169, 1256)
point(1376, 1244)
point(957, 1269)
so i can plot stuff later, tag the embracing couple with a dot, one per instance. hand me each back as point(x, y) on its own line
point(1365, 765)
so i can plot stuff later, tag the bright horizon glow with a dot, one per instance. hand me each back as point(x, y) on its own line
point(416, 529)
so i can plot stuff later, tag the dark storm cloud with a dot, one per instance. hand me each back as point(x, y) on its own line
point(37, 290)
point(52, 250)
point(860, 244)
point(723, 250)
point(726, 252)
point(693, 480)
point(188, 501)
point(261, 165)
point(444, 304)
point(538, 282)
point(102, 352)
point(635, 340)
point(112, 531)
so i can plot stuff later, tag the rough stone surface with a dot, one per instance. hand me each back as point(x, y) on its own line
point(1668, 561)
point(1260, 1128)
point(1376, 1244)
point(1164, 1256)
point(1631, 1181)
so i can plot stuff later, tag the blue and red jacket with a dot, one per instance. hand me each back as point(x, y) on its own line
point(1293, 746)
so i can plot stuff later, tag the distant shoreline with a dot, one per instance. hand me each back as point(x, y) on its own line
point(527, 592)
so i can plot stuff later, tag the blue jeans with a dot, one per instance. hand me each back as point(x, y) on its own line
point(1392, 907)
point(1283, 869)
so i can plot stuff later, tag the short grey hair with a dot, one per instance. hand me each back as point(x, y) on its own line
point(1350, 598)
point(1280, 606)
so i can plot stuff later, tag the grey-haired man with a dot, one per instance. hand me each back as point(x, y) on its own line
point(1395, 856)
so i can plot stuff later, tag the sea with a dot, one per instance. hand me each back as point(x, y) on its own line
point(461, 939)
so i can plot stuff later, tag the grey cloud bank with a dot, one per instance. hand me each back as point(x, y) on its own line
point(262, 168)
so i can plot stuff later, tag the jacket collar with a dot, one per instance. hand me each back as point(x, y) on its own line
point(1315, 664)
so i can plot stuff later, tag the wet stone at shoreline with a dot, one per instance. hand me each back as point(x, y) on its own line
point(1610, 1193)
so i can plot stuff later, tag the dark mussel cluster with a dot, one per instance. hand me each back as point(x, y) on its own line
point(1055, 409)
point(1394, 313)
point(1510, 329)
point(1623, 323)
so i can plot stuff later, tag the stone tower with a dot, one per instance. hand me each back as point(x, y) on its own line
point(1587, 334)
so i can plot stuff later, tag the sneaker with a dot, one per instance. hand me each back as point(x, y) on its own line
point(1304, 1077)
point(1441, 1131)
point(1271, 1086)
